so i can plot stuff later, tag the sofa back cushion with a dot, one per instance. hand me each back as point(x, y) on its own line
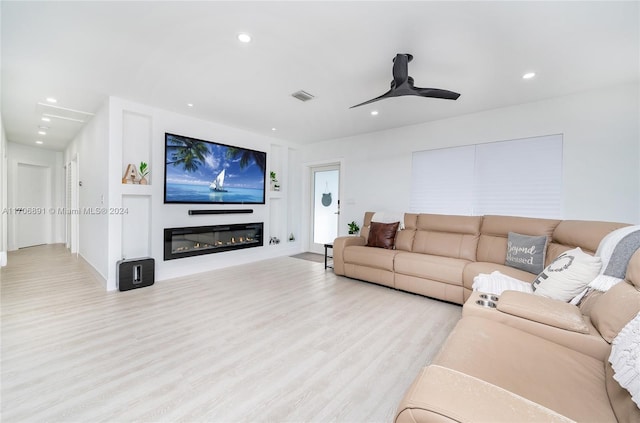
point(616, 307)
point(366, 225)
point(447, 235)
point(492, 245)
point(579, 233)
point(404, 240)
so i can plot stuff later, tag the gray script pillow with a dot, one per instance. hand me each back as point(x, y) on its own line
point(526, 252)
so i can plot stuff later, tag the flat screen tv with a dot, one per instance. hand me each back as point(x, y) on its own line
point(198, 171)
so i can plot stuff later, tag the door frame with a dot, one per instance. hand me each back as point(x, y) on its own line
point(72, 205)
point(13, 187)
point(307, 196)
point(45, 204)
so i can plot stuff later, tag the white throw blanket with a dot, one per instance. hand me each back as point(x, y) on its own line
point(625, 358)
point(496, 282)
point(615, 250)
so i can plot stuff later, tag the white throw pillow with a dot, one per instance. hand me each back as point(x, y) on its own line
point(567, 275)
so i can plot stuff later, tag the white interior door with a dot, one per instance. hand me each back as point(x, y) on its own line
point(325, 206)
point(32, 205)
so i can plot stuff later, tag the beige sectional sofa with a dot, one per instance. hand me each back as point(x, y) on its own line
point(548, 364)
point(439, 255)
point(529, 358)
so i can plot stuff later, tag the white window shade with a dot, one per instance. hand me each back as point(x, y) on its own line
point(442, 181)
point(519, 178)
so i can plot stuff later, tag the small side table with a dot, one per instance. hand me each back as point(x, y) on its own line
point(327, 256)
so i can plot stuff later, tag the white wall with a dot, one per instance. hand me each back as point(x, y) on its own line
point(91, 148)
point(160, 215)
point(21, 154)
point(3, 197)
point(601, 163)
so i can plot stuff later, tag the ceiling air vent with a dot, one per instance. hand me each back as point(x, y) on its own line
point(302, 95)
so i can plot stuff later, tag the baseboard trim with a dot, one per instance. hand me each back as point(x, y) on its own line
point(94, 272)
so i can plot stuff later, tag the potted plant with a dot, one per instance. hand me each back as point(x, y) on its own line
point(275, 186)
point(353, 228)
point(144, 171)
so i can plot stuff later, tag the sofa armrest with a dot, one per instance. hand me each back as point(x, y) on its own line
point(339, 244)
point(440, 394)
point(543, 310)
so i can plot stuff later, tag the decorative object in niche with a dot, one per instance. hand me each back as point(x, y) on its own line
point(275, 185)
point(144, 171)
point(130, 175)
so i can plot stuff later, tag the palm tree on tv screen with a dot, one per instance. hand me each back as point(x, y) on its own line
point(246, 156)
point(190, 153)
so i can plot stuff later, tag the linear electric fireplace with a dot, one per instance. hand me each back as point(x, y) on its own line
point(198, 240)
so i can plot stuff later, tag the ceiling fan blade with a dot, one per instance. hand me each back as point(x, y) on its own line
point(385, 95)
point(401, 68)
point(402, 84)
point(437, 93)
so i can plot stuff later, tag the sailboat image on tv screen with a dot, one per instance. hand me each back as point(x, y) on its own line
point(218, 184)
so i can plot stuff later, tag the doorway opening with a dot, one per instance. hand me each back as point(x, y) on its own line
point(325, 206)
point(33, 216)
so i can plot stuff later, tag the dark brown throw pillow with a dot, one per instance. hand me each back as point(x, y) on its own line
point(382, 235)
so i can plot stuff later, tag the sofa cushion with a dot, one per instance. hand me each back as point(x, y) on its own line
point(440, 394)
point(614, 309)
point(543, 310)
point(591, 344)
point(378, 258)
point(526, 252)
point(447, 236)
point(382, 235)
point(582, 233)
point(492, 246)
point(556, 377)
point(443, 269)
point(567, 275)
point(366, 223)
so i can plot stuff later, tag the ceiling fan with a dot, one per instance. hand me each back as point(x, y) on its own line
point(402, 84)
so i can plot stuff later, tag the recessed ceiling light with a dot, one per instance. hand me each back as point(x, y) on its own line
point(39, 142)
point(273, 129)
point(374, 113)
point(51, 100)
point(244, 37)
point(42, 133)
point(189, 104)
point(46, 119)
point(528, 75)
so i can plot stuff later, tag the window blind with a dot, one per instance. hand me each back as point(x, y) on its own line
point(517, 177)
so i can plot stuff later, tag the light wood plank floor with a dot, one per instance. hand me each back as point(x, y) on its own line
point(277, 340)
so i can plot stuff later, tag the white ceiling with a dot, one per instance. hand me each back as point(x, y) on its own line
point(168, 54)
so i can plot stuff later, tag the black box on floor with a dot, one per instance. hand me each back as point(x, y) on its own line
point(135, 273)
